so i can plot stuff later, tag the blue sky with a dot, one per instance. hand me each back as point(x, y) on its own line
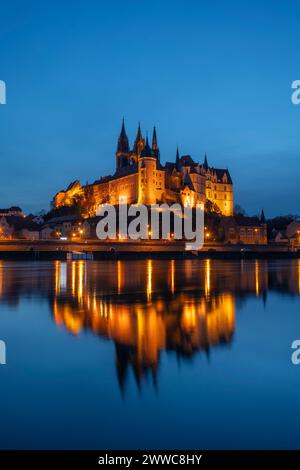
point(213, 76)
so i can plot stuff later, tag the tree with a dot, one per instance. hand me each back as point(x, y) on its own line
point(238, 210)
point(212, 207)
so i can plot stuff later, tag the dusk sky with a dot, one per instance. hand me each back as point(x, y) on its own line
point(212, 76)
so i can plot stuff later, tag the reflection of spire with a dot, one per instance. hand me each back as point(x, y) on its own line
point(141, 329)
point(264, 297)
point(121, 365)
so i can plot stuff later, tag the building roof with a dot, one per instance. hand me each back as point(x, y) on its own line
point(11, 209)
point(148, 151)
point(62, 219)
point(241, 221)
point(186, 160)
point(19, 222)
point(220, 173)
point(188, 182)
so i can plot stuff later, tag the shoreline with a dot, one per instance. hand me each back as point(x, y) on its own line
point(143, 249)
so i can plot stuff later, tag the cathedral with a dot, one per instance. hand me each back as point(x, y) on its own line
point(141, 177)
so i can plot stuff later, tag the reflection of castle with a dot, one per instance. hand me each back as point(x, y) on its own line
point(144, 324)
point(147, 306)
point(140, 177)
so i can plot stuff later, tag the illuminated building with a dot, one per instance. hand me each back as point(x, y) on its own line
point(140, 177)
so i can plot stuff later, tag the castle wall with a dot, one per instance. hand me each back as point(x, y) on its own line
point(222, 195)
point(124, 190)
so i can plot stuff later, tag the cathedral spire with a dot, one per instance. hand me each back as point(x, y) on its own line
point(122, 148)
point(123, 144)
point(154, 140)
point(139, 142)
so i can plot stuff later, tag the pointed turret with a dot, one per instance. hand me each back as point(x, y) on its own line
point(262, 217)
point(122, 148)
point(177, 159)
point(205, 164)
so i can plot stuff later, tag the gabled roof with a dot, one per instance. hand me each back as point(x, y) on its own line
point(241, 221)
point(188, 182)
point(220, 173)
point(186, 160)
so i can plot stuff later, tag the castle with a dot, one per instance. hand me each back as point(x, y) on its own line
point(140, 177)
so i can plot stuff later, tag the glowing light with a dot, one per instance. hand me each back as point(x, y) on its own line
point(119, 269)
point(73, 273)
point(123, 199)
point(57, 277)
point(172, 276)
point(207, 277)
point(149, 279)
point(81, 266)
point(257, 278)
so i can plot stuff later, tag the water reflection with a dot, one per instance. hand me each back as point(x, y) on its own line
point(147, 307)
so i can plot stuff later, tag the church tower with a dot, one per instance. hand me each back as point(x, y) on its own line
point(147, 175)
point(122, 153)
